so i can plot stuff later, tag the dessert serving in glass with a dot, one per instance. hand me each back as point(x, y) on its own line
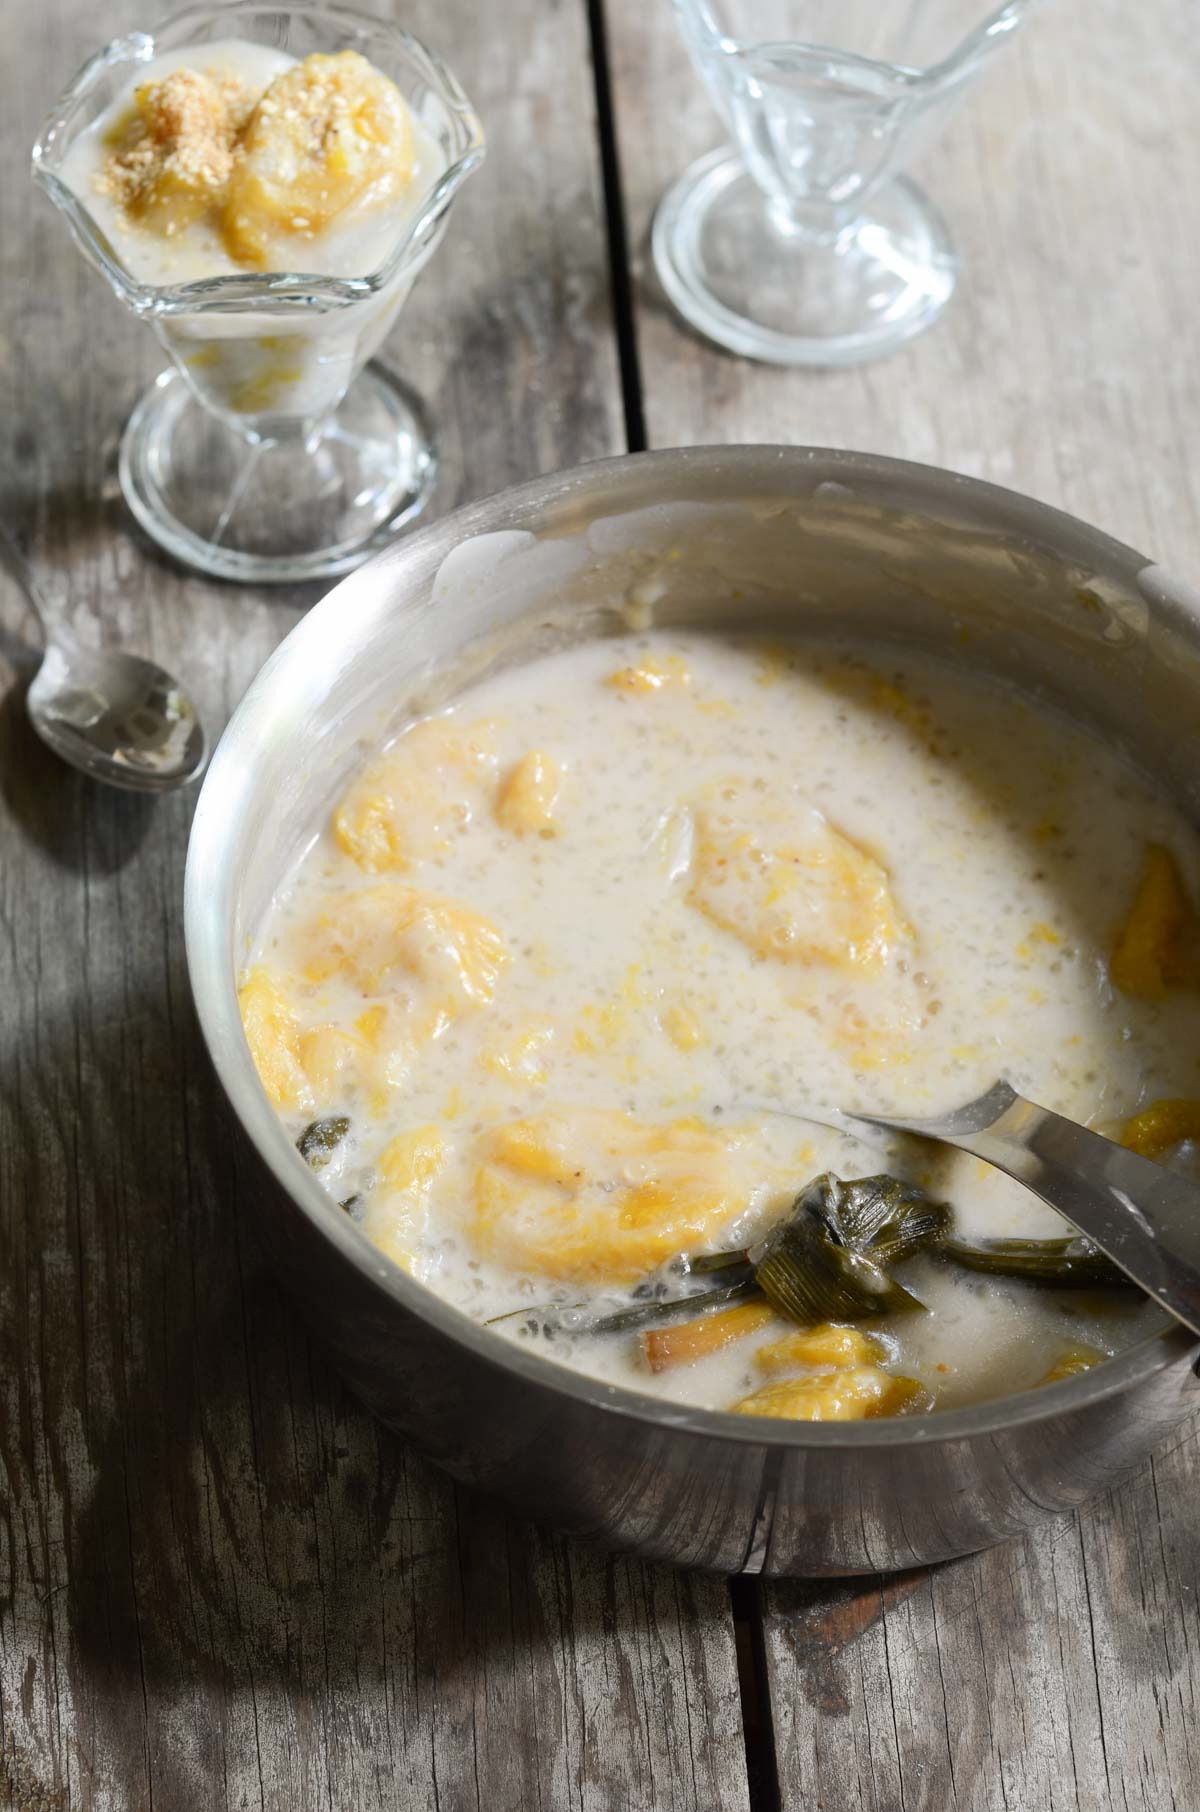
point(263, 186)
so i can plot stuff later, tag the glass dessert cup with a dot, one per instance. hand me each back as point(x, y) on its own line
point(801, 244)
point(272, 449)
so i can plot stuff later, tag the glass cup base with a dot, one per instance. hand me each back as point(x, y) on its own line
point(271, 511)
point(742, 281)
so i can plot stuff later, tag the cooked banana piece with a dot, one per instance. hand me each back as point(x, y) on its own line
point(777, 874)
point(328, 136)
point(594, 1196)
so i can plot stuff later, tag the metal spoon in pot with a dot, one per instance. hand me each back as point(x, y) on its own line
point(1144, 1217)
point(115, 716)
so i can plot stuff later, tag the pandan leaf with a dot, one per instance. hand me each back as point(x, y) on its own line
point(647, 1313)
point(1057, 1264)
point(318, 1142)
point(826, 1261)
point(809, 1277)
point(885, 1218)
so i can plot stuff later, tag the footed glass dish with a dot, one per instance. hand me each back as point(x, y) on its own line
point(272, 449)
point(801, 244)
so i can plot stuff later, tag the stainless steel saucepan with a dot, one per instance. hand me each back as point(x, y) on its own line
point(778, 540)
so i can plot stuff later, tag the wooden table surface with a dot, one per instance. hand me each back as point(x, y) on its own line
point(221, 1584)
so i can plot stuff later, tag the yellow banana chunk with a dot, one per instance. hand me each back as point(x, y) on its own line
point(826, 1345)
point(1071, 1361)
point(529, 795)
point(421, 794)
point(1154, 1130)
point(433, 956)
point(329, 135)
point(787, 883)
point(171, 156)
point(413, 1160)
point(1159, 944)
point(408, 1168)
point(850, 1394)
point(523, 1055)
point(654, 674)
point(273, 1034)
point(326, 1054)
point(598, 1197)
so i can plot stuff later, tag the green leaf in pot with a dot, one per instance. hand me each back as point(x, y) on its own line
point(647, 1313)
point(883, 1217)
point(653, 1311)
point(827, 1261)
point(706, 1263)
point(809, 1277)
point(1057, 1264)
point(319, 1140)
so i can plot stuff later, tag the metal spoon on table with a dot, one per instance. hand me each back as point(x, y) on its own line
point(115, 716)
point(1144, 1217)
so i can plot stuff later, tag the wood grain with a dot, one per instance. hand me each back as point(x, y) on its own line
point(1061, 1672)
point(1056, 1672)
point(220, 1583)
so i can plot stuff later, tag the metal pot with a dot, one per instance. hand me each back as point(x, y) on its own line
point(779, 540)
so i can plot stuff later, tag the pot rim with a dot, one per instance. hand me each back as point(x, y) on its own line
point(616, 483)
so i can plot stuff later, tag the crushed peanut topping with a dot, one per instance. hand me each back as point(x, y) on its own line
point(173, 154)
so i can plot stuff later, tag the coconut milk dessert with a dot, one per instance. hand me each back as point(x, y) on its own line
point(232, 159)
point(558, 1001)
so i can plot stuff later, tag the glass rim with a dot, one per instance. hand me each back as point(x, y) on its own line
point(958, 62)
point(251, 291)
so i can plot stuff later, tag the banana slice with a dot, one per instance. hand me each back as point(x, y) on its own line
point(329, 135)
point(433, 954)
point(529, 795)
point(398, 1216)
point(413, 802)
point(592, 1196)
point(272, 1030)
point(791, 886)
point(850, 1394)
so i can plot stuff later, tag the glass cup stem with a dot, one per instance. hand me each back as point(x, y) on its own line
point(816, 223)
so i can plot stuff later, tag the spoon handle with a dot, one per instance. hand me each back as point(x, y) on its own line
point(18, 569)
point(1144, 1217)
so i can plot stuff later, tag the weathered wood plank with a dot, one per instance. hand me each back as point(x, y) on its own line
point(220, 1582)
point(1062, 1671)
point(1058, 1672)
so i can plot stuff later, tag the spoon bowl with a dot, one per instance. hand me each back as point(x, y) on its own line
point(119, 718)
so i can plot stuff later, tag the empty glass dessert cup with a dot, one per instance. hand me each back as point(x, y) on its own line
point(801, 244)
point(271, 449)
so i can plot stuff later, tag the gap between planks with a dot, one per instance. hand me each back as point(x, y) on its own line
point(620, 267)
point(745, 1594)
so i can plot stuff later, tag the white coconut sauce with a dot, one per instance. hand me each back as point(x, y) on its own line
point(1008, 842)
